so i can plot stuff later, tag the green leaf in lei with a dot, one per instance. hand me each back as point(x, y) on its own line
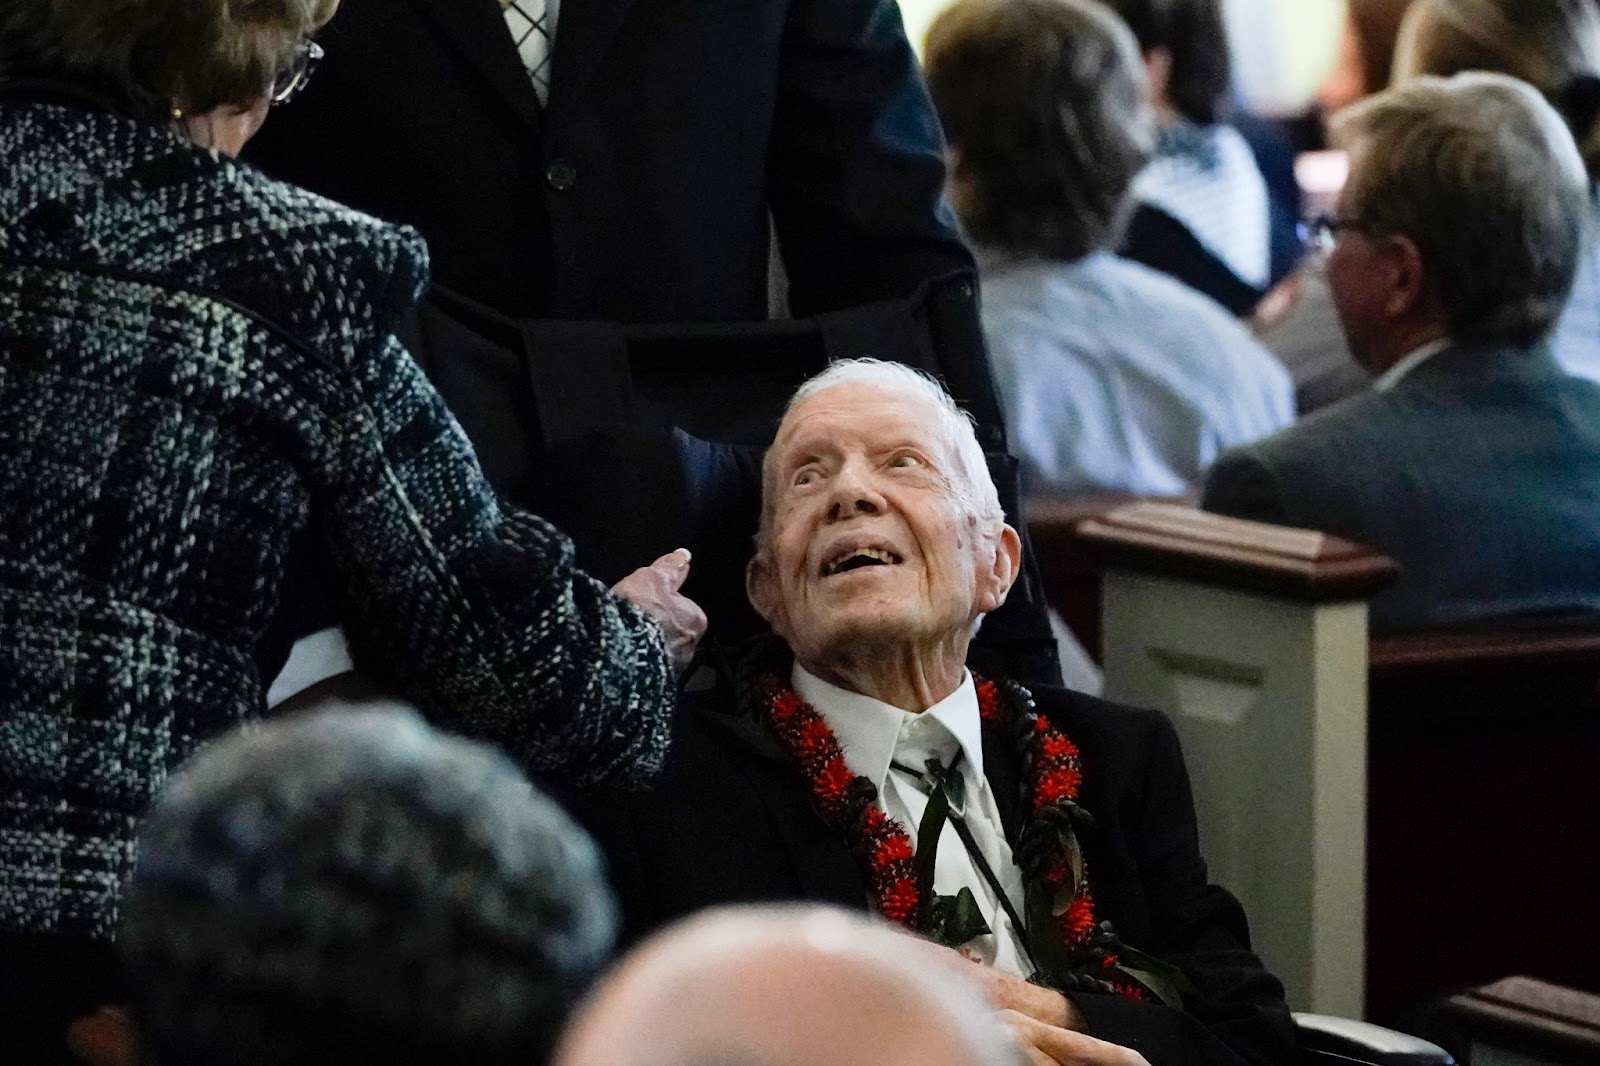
point(1169, 983)
point(957, 919)
point(1074, 882)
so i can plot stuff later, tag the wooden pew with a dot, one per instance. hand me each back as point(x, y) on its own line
point(1070, 568)
point(1525, 1021)
point(1484, 793)
point(1479, 788)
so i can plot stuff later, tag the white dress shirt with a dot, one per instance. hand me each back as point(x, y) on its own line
point(1114, 377)
point(874, 734)
point(1409, 362)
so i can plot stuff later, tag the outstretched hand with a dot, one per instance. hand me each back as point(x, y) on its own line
point(654, 590)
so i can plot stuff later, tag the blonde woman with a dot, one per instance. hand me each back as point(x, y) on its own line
point(200, 395)
point(1553, 45)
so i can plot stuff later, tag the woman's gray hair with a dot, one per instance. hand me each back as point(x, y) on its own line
point(1482, 173)
point(158, 54)
point(972, 482)
point(1550, 44)
point(1046, 106)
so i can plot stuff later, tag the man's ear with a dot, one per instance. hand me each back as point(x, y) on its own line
point(996, 580)
point(1410, 284)
point(761, 589)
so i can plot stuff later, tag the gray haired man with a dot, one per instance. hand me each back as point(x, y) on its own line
point(852, 758)
point(1475, 460)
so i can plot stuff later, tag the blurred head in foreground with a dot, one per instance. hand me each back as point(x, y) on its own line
point(356, 887)
point(786, 986)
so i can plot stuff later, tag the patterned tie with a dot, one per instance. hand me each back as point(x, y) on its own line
point(530, 29)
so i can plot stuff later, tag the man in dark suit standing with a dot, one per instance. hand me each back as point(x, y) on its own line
point(618, 159)
point(856, 761)
point(1475, 460)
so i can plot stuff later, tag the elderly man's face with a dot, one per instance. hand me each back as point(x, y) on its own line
point(871, 539)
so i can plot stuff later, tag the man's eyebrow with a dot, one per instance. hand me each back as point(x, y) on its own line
point(808, 449)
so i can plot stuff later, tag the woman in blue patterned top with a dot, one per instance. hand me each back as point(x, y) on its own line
point(200, 390)
point(1203, 176)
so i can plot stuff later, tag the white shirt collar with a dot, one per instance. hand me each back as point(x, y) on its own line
point(1409, 362)
point(873, 734)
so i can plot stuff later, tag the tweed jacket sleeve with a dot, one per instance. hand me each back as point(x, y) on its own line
point(476, 609)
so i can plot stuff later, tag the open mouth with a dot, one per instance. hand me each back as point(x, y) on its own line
point(859, 559)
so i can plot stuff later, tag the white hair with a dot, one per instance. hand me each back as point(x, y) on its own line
point(971, 480)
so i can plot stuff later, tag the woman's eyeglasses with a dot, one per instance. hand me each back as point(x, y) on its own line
point(287, 85)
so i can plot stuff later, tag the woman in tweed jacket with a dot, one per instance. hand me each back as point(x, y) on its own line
point(199, 390)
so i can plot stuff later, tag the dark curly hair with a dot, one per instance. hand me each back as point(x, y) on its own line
point(1044, 105)
point(354, 887)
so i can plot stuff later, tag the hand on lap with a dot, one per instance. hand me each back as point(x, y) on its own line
point(1050, 1045)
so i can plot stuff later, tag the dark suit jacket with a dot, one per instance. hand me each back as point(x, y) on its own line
point(1479, 473)
point(642, 192)
point(731, 821)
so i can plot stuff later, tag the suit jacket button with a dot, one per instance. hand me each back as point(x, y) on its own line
point(561, 175)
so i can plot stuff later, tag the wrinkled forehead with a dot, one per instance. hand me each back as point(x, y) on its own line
point(861, 413)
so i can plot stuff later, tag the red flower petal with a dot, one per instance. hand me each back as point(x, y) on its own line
point(1057, 746)
point(896, 848)
point(1078, 921)
point(900, 900)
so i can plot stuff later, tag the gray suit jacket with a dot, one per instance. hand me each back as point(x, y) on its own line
point(1478, 472)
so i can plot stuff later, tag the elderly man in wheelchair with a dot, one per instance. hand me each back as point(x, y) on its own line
point(853, 758)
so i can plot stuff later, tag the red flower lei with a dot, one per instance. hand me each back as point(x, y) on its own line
point(847, 803)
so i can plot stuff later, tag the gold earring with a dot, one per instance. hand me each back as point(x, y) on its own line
point(177, 113)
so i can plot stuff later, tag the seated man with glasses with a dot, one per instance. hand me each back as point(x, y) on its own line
point(1475, 460)
point(853, 759)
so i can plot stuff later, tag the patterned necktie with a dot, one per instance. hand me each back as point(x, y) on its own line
point(530, 28)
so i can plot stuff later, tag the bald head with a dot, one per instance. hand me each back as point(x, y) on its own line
point(786, 986)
